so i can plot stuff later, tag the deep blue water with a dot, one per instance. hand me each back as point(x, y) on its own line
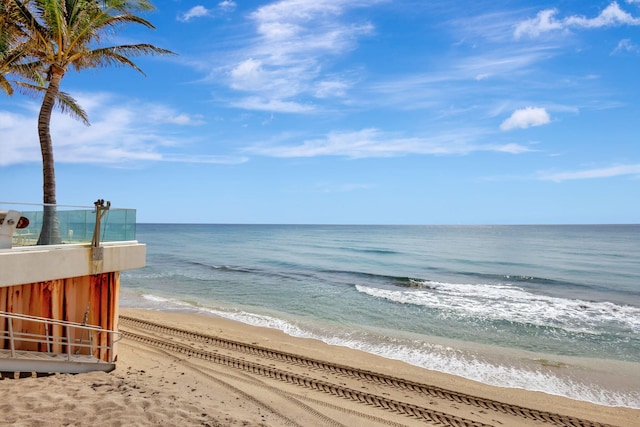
point(549, 308)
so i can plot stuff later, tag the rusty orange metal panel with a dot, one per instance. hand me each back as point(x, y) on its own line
point(115, 314)
point(57, 310)
point(65, 299)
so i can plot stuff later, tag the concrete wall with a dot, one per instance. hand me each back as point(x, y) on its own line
point(30, 264)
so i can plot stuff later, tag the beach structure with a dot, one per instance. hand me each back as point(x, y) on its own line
point(59, 303)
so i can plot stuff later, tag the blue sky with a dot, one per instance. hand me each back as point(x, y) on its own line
point(354, 111)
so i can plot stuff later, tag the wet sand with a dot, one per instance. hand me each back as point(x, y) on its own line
point(152, 386)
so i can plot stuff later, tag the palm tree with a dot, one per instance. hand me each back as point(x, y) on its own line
point(6, 37)
point(12, 43)
point(66, 34)
point(14, 61)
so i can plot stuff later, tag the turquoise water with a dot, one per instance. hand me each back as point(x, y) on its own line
point(547, 308)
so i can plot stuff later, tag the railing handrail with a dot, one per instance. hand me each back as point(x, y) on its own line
point(69, 340)
point(50, 321)
point(2, 203)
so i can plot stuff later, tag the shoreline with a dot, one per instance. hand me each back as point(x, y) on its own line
point(151, 387)
point(599, 381)
point(269, 337)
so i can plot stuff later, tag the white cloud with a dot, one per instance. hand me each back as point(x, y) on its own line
point(526, 117)
point(120, 131)
point(194, 12)
point(376, 143)
point(227, 5)
point(608, 172)
point(297, 9)
point(248, 75)
point(542, 23)
point(611, 16)
point(295, 43)
point(19, 138)
point(545, 21)
point(200, 11)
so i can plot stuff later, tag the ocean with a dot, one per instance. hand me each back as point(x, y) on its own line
point(551, 308)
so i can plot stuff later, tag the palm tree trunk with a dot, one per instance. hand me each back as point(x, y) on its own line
point(50, 233)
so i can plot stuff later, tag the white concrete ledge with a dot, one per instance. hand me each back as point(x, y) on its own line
point(31, 264)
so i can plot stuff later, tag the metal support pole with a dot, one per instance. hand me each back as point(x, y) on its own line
point(101, 209)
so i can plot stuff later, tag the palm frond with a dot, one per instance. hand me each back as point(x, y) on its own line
point(65, 103)
point(134, 50)
point(29, 89)
point(68, 105)
point(128, 6)
point(6, 85)
point(118, 56)
point(23, 16)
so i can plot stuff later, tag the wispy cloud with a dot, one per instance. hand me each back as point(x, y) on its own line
point(376, 143)
point(625, 45)
point(292, 51)
point(327, 187)
point(163, 114)
point(18, 134)
point(273, 105)
point(203, 158)
point(494, 27)
point(501, 62)
point(200, 11)
point(464, 82)
point(121, 132)
point(607, 172)
point(526, 117)
point(546, 21)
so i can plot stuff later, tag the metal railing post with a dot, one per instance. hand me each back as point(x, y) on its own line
point(68, 329)
point(12, 345)
point(111, 349)
point(46, 334)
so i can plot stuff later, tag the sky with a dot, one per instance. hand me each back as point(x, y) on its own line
point(353, 112)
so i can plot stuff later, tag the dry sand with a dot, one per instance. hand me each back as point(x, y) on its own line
point(153, 387)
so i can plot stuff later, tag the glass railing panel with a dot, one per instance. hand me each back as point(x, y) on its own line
point(73, 225)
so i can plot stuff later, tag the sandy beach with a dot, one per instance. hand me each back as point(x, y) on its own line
point(211, 385)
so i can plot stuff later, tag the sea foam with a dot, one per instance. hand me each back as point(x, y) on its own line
point(513, 304)
point(429, 355)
